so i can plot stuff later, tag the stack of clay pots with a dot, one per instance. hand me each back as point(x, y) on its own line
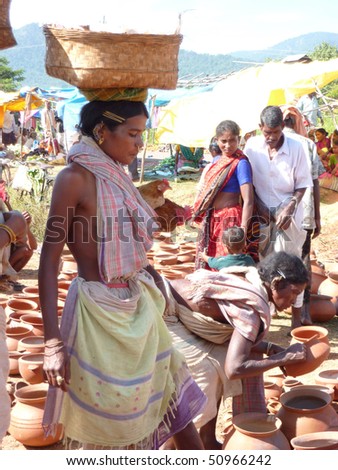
point(27, 385)
point(324, 289)
point(173, 261)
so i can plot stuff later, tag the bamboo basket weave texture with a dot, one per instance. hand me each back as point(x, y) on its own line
point(7, 38)
point(91, 59)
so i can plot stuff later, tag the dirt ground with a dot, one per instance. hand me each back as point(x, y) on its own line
point(326, 249)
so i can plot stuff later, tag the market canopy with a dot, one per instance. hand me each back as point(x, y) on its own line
point(192, 120)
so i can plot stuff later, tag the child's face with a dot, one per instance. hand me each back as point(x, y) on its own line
point(335, 149)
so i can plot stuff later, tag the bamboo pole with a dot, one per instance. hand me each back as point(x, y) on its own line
point(146, 140)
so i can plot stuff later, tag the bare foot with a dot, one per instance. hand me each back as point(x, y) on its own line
point(305, 316)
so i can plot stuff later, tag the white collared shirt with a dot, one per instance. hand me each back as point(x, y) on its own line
point(275, 180)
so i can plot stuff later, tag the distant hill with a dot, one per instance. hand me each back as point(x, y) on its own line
point(29, 55)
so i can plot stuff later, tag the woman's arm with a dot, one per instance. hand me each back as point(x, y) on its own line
point(247, 195)
point(239, 364)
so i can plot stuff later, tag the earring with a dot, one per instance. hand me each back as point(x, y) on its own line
point(101, 140)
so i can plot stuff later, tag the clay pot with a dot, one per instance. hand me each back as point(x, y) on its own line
point(323, 388)
point(14, 357)
point(22, 304)
point(304, 410)
point(321, 308)
point(68, 263)
point(272, 389)
point(14, 318)
point(67, 275)
point(256, 431)
point(278, 377)
point(289, 383)
point(318, 276)
point(273, 405)
point(64, 285)
point(185, 258)
point(31, 368)
point(32, 293)
point(328, 377)
point(62, 295)
point(36, 321)
point(317, 345)
point(326, 440)
point(15, 333)
point(165, 259)
point(32, 344)
point(330, 287)
point(26, 417)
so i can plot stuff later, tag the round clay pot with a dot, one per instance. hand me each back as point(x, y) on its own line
point(14, 318)
point(26, 417)
point(328, 377)
point(185, 258)
point(272, 389)
point(330, 287)
point(321, 308)
point(278, 377)
point(64, 285)
point(256, 431)
point(32, 293)
point(14, 357)
point(317, 349)
point(22, 304)
point(289, 383)
point(32, 344)
point(165, 259)
point(68, 263)
point(62, 294)
point(318, 276)
point(31, 368)
point(324, 388)
point(305, 410)
point(36, 321)
point(326, 440)
point(15, 333)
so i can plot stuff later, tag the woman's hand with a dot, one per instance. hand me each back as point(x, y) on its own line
point(56, 364)
point(295, 353)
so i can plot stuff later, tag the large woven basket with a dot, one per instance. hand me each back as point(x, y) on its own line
point(90, 60)
point(7, 38)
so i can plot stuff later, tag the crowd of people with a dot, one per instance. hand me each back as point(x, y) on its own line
point(139, 362)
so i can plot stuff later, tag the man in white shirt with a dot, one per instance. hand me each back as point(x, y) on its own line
point(48, 122)
point(308, 105)
point(9, 129)
point(281, 174)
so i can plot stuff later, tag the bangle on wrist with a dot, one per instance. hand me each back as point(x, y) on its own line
point(10, 232)
point(268, 348)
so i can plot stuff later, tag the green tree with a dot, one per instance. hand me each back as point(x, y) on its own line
point(324, 51)
point(10, 79)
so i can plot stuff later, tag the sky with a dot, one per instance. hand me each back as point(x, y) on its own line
point(208, 26)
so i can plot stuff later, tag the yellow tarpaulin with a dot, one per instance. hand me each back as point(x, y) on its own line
point(15, 102)
point(192, 120)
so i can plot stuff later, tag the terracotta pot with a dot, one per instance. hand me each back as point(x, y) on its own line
point(324, 388)
point(68, 263)
point(165, 259)
point(14, 357)
point(318, 276)
point(328, 377)
point(321, 308)
point(256, 431)
point(64, 285)
point(272, 389)
point(22, 304)
point(317, 349)
point(289, 383)
point(186, 258)
point(31, 368)
point(304, 410)
point(32, 344)
point(15, 333)
point(330, 287)
point(32, 293)
point(278, 377)
point(14, 318)
point(67, 275)
point(326, 440)
point(36, 321)
point(26, 417)
point(62, 295)
point(273, 405)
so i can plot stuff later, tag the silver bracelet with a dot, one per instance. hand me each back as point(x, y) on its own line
point(269, 347)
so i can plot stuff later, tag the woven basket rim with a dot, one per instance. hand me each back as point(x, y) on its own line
point(80, 34)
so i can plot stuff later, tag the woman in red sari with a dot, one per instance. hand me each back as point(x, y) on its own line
point(225, 197)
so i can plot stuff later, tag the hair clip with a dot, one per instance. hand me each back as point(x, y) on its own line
point(113, 117)
point(281, 273)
